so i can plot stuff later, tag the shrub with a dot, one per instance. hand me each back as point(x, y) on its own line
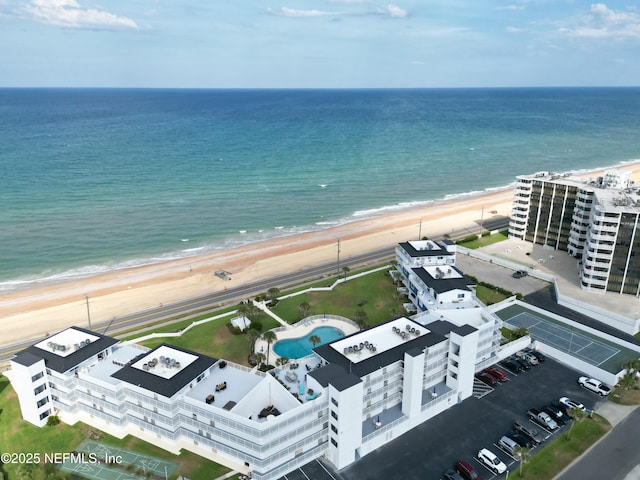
point(256, 325)
point(234, 329)
point(53, 420)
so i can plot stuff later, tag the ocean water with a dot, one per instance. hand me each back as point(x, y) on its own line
point(97, 179)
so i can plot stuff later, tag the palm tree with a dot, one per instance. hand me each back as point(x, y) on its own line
point(629, 381)
point(304, 307)
point(362, 319)
point(576, 415)
point(272, 294)
point(345, 271)
point(522, 454)
point(269, 336)
point(248, 309)
point(315, 340)
point(252, 336)
point(282, 361)
point(258, 358)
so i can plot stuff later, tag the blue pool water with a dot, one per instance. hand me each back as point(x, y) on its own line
point(301, 346)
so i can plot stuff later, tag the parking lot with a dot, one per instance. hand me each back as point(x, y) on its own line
point(429, 449)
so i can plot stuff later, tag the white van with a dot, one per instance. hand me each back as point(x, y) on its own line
point(508, 445)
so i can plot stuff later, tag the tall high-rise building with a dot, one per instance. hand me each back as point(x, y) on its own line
point(595, 220)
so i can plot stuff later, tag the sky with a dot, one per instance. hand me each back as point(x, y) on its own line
point(318, 43)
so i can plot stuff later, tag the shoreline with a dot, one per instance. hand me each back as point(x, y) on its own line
point(80, 273)
point(39, 309)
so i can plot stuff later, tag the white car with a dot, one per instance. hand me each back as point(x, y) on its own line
point(567, 402)
point(529, 357)
point(596, 386)
point(491, 461)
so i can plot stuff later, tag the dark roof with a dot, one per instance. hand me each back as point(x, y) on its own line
point(442, 285)
point(415, 352)
point(381, 359)
point(443, 327)
point(336, 376)
point(26, 358)
point(64, 364)
point(464, 330)
point(414, 252)
point(167, 387)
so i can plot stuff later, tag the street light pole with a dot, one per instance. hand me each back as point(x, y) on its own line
point(420, 231)
point(88, 312)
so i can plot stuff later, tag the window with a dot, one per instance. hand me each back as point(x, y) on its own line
point(334, 414)
point(334, 429)
point(44, 415)
point(40, 389)
point(37, 376)
point(334, 401)
point(334, 443)
point(42, 402)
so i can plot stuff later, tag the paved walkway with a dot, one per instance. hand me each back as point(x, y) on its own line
point(266, 310)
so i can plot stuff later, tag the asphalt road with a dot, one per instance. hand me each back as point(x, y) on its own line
point(218, 298)
point(235, 294)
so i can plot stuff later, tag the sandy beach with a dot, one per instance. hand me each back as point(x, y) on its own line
point(43, 309)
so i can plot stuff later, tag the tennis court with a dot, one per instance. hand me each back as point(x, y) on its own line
point(563, 338)
point(117, 464)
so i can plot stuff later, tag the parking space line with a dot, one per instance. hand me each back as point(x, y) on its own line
point(485, 467)
point(503, 451)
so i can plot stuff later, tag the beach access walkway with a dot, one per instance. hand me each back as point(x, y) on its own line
point(262, 306)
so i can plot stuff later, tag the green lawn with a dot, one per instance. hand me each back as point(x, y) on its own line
point(489, 296)
point(372, 293)
point(484, 241)
point(560, 452)
point(18, 436)
point(212, 338)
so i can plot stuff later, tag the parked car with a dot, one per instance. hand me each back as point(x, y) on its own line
point(555, 413)
point(486, 378)
point(570, 404)
point(530, 432)
point(508, 444)
point(513, 366)
point(519, 274)
point(521, 439)
point(523, 363)
point(596, 386)
point(491, 461)
point(496, 373)
point(528, 356)
point(451, 474)
point(465, 469)
point(542, 418)
point(541, 358)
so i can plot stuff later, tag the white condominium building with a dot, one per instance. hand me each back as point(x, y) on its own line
point(596, 221)
point(368, 388)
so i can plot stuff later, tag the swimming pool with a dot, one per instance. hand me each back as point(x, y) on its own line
point(301, 346)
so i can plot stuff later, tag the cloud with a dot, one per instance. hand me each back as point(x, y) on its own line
point(511, 7)
point(603, 22)
point(70, 14)
point(515, 30)
point(393, 11)
point(291, 12)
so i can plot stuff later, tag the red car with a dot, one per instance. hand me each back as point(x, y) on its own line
point(486, 378)
point(496, 373)
point(467, 471)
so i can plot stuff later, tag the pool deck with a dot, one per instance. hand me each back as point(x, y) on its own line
point(293, 375)
point(302, 328)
